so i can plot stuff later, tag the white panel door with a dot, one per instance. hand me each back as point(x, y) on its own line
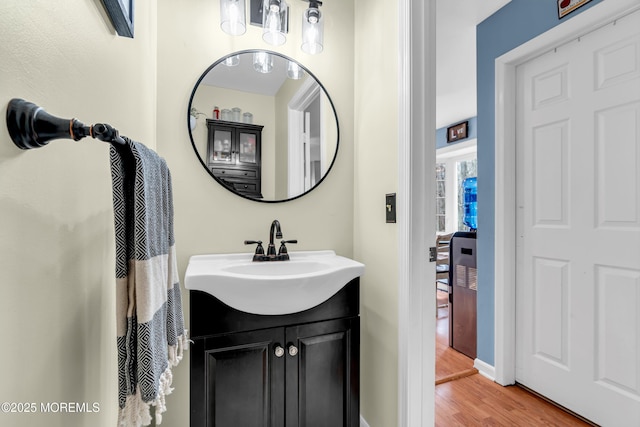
point(578, 224)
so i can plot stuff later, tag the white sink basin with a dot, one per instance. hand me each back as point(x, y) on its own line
point(309, 278)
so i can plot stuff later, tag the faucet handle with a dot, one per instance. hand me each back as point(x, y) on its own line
point(283, 248)
point(259, 248)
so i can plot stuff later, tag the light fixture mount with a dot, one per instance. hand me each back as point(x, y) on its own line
point(257, 9)
point(274, 5)
point(313, 15)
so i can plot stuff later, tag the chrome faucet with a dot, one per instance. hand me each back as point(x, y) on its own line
point(274, 232)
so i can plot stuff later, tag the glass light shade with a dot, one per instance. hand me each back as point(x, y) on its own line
point(294, 71)
point(312, 31)
point(232, 17)
point(262, 62)
point(275, 22)
point(232, 61)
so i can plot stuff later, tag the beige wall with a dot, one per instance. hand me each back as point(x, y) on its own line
point(57, 308)
point(375, 242)
point(208, 217)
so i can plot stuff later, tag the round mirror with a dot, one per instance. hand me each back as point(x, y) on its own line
point(263, 126)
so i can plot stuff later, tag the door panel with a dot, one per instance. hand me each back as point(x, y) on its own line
point(550, 180)
point(618, 347)
point(243, 379)
point(323, 377)
point(617, 192)
point(551, 315)
point(578, 224)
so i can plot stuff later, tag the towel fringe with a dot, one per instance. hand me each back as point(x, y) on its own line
point(135, 412)
point(176, 351)
point(165, 389)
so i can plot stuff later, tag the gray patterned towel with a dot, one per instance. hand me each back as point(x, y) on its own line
point(150, 325)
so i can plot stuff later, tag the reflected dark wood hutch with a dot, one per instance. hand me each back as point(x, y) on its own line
point(234, 155)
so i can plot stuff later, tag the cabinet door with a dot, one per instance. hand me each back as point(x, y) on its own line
point(220, 148)
point(322, 374)
point(242, 381)
point(248, 148)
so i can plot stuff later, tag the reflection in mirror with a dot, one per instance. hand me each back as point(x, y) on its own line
point(263, 126)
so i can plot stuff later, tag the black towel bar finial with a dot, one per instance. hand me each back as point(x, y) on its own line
point(30, 126)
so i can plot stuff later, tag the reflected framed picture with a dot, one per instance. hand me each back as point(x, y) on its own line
point(459, 131)
point(565, 7)
point(121, 14)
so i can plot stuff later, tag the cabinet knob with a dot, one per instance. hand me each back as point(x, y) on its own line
point(293, 350)
point(279, 351)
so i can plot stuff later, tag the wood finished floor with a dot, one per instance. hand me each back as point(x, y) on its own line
point(474, 400)
point(449, 362)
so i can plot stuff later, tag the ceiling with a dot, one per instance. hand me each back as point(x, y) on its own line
point(244, 78)
point(456, 56)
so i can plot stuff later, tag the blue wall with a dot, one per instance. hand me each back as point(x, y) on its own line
point(508, 28)
point(472, 132)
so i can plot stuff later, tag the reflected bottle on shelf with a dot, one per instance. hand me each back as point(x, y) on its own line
point(236, 114)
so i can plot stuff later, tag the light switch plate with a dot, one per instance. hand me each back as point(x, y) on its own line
point(390, 207)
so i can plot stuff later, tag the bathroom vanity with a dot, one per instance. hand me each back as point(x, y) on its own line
point(283, 370)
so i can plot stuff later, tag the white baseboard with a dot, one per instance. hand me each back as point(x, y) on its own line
point(485, 369)
point(363, 422)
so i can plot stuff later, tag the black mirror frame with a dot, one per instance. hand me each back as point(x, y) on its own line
point(193, 144)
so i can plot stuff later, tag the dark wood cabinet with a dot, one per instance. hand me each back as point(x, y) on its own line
point(291, 370)
point(239, 377)
point(234, 152)
point(319, 375)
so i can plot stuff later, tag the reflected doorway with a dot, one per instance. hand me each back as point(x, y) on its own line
point(307, 159)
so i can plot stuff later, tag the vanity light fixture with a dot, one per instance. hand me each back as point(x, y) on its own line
point(262, 62)
point(294, 71)
point(193, 119)
point(232, 17)
point(312, 28)
point(232, 61)
point(275, 22)
point(273, 17)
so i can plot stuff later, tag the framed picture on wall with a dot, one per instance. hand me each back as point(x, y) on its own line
point(565, 7)
point(121, 14)
point(459, 131)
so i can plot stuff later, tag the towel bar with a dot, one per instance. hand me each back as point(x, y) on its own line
point(30, 126)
